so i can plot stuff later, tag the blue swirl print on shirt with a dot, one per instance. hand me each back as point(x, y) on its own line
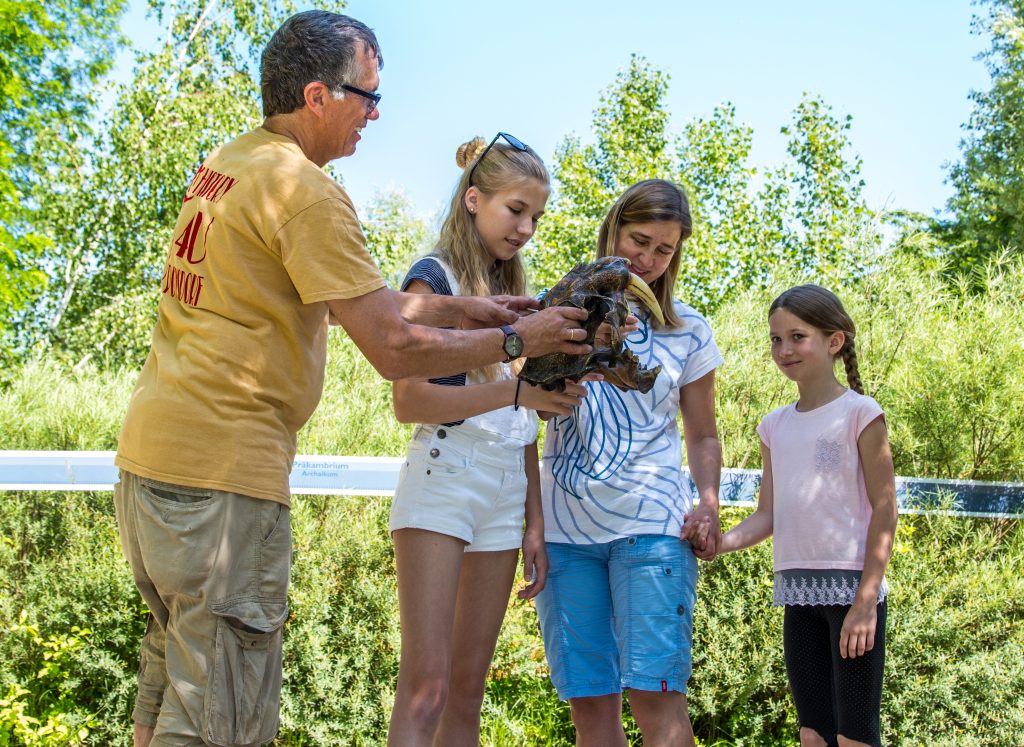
point(592, 446)
point(610, 425)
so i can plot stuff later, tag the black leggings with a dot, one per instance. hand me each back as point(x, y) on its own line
point(833, 695)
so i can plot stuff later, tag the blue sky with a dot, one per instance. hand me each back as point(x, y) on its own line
point(454, 69)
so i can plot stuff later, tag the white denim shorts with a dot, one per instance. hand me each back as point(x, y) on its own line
point(455, 482)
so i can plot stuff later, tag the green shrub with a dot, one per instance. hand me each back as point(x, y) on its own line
point(44, 406)
point(956, 639)
point(342, 637)
point(955, 671)
point(70, 615)
point(944, 365)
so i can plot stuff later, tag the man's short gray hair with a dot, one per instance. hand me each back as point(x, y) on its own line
point(315, 45)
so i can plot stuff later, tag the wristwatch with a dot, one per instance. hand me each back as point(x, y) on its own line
point(513, 344)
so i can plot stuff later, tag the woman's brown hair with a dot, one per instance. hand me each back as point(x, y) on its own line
point(651, 201)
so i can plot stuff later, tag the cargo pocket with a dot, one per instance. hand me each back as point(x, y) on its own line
point(243, 698)
point(657, 618)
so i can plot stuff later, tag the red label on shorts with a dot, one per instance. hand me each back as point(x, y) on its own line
point(664, 686)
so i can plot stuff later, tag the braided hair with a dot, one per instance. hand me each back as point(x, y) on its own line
point(823, 310)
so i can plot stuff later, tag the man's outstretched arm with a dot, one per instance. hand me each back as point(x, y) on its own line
point(398, 350)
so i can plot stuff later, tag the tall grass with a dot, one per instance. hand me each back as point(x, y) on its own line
point(945, 366)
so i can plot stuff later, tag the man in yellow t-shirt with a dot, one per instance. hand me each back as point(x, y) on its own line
point(267, 249)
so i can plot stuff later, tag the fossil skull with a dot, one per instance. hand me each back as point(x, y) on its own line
point(600, 288)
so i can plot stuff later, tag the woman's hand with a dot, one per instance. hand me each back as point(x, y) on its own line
point(703, 530)
point(603, 335)
point(698, 532)
point(535, 562)
point(707, 550)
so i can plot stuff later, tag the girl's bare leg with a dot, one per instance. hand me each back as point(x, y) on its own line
point(428, 566)
point(811, 738)
point(484, 587)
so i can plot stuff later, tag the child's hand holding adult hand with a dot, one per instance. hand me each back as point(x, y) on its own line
point(702, 529)
point(709, 551)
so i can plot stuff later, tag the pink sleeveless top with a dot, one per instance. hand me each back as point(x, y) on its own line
point(821, 508)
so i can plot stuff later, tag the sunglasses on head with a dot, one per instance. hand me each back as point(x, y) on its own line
point(510, 139)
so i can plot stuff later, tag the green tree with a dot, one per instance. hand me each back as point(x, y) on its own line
point(394, 234)
point(988, 202)
point(111, 203)
point(807, 213)
point(633, 143)
point(51, 57)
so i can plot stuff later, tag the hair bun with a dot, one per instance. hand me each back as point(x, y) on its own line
point(469, 151)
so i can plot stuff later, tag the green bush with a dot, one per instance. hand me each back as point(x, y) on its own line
point(343, 636)
point(944, 365)
point(955, 671)
point(70, 616)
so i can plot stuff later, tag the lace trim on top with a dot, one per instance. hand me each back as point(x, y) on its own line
point(819, 587)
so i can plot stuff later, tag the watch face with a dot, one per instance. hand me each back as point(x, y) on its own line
point(513, 345)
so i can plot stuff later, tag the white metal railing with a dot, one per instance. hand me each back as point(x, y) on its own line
point(346, 475)
point(95, 470)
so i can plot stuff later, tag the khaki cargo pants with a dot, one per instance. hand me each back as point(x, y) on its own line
point(213, 567)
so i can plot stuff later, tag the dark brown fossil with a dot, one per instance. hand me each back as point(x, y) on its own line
point(600, 288)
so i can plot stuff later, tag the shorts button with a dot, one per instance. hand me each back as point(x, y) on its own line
point(442, 433)
point(668, 571)
point(680, 610)
point(435, 453)
point(428, 471)
point(632, 540)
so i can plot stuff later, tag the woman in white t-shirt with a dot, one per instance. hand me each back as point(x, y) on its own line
point(471, 477)
point(828, 494)
point(617, 611)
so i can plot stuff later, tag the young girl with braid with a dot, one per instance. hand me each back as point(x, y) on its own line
point(828, 495)
point(472, 477)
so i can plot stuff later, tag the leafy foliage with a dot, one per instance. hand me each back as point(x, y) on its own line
point(988, 203)
point(51, 57)
point(949, 574)
point(807, 213)
point(108, 206)
point(394, 235)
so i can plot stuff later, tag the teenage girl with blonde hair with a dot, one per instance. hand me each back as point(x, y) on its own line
point(471, 478)
point(828, 495)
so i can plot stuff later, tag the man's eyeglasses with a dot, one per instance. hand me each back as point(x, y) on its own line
point(510, 139)
point(372, 98)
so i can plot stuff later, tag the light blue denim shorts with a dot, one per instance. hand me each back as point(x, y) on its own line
point(619, 615)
